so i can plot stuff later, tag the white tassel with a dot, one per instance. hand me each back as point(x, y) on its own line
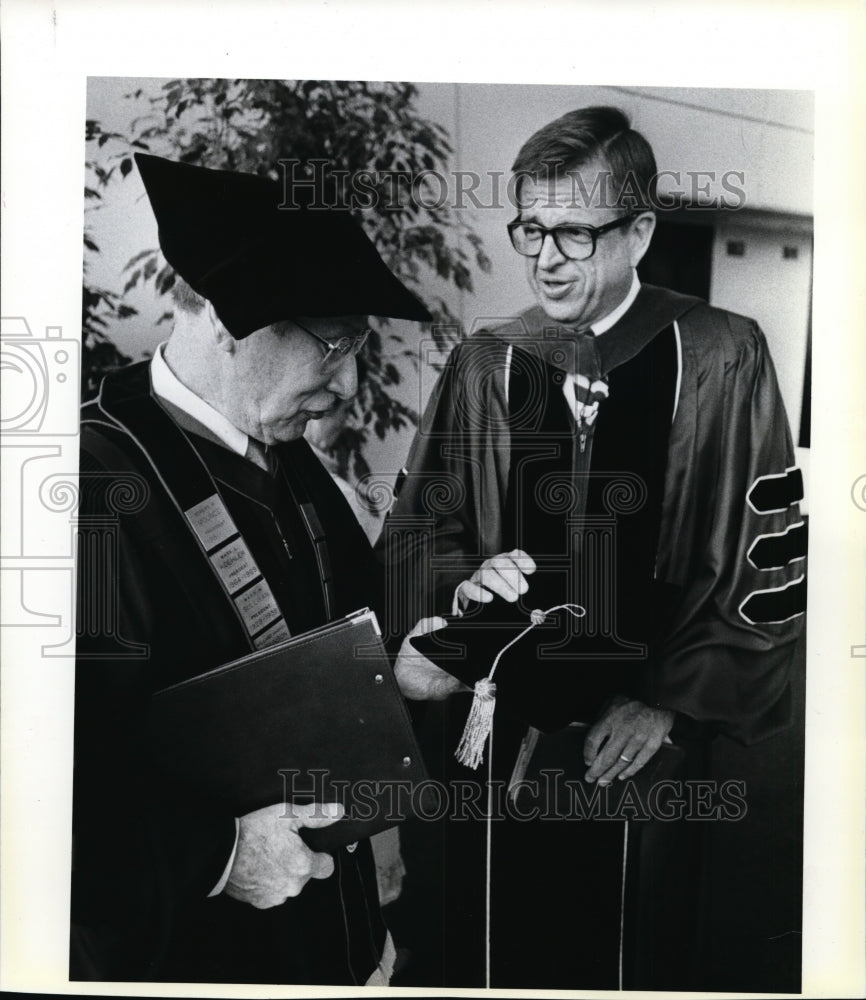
point(471, 749)
point(478, 726)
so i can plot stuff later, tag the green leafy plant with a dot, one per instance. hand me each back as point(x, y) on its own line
point(354, 127)
point(100, 307)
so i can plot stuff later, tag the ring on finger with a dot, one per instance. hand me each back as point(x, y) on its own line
point(628, 760)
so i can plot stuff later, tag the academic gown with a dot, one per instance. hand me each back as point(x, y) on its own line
point(707, 484)
point(150, 614)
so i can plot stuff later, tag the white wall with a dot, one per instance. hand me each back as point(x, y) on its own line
point(775, 291)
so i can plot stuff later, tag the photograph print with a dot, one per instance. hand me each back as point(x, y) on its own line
point(442, 535)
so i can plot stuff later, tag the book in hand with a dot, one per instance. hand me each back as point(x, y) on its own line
point(553, 674)
point(549, 774)
point(316, 718)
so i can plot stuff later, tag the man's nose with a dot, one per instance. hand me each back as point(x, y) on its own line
point(344, 379)
point(550, 255)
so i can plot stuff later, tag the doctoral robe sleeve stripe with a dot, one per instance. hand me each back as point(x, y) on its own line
point(775, 605)
point(778, 549)
point(774, 493)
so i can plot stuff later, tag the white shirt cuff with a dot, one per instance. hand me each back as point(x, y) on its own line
point(218, 888)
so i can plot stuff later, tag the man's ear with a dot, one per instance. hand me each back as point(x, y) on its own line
point(224, 340)
point(642, 230)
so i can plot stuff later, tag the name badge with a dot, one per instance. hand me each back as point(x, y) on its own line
point(211, 522)
point(257, 607)
point(271, 636)
point(235, 565)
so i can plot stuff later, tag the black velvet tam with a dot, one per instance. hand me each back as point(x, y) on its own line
point(239, 241)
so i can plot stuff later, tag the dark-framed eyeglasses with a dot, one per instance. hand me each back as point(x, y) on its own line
point(574, 242)
point(336, 351)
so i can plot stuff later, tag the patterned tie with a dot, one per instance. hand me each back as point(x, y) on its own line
point(583, 398)
point(584, 388)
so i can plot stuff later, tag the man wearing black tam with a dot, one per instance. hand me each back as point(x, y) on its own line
point(271, 309)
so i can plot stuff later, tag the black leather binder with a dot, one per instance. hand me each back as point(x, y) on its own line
point(318, 717)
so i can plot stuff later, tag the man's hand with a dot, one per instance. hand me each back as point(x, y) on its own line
point(504, 575)
point(271, 861)
point(624, 739)
point(418, 678)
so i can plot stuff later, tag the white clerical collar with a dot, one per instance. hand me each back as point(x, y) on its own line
point(606, 322)
point(168, 386)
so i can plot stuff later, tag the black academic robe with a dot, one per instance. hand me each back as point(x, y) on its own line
point(709, 578)
point(151, 613)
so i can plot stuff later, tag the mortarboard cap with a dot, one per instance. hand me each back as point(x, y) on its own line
point(227, 237)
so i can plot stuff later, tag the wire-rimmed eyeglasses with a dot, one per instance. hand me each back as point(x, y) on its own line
point(336, 351)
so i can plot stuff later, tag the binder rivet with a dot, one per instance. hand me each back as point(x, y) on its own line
point(379, 678)
point(407, 761)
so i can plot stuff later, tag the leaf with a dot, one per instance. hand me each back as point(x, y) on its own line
point(165, 280)
point(133, 281)
point(137, 257)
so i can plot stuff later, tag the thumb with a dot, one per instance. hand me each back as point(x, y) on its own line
point(427, 625)
point(314, 815)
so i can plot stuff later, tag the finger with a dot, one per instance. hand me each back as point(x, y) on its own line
point(608, 758)
point(315, 815)
point(626, 757)
point(524, 562)
point(504, 565)
point(474, 592)
point(643, 757)
point(501, 579)
point(426, 625)
point(594, 741)
point(513, 576)
point(321, 865)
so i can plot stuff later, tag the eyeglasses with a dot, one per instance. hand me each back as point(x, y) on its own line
point(574, 242)
point(336, 351)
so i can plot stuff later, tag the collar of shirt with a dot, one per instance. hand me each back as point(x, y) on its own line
point(606, 322)
point(168, 386)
